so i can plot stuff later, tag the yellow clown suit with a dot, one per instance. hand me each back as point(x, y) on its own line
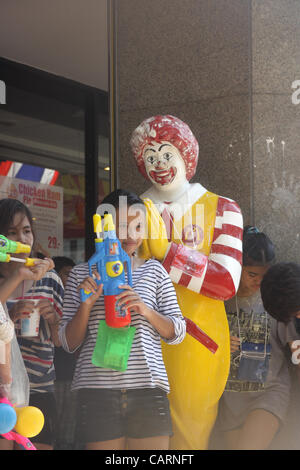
point(203, 257)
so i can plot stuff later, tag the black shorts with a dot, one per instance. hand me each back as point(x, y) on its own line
point(105, 414)
point(47, 404)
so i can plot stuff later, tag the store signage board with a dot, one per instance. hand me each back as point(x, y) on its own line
point(46, 205)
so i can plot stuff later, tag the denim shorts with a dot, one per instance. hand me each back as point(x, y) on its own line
point(106, 414)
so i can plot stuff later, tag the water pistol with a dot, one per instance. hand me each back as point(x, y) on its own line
point(17, 424)
point(110, 258)
point(10, 246)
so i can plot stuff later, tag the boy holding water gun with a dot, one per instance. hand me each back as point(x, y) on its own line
point(129, 408)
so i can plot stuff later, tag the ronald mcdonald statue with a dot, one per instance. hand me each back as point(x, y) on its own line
point(203, 257)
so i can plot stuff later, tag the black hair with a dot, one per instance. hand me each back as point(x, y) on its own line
point(258, 250)
point(8, 209)
point(280, 291)
point(62, 261)
point(114, 198)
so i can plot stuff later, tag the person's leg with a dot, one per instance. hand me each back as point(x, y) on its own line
point(6, 445)
point(148, 420)
point(42, 446)
point(114, 444)
point(149, 443)
point(231, 438)
point(99, 424)
point(256, 433)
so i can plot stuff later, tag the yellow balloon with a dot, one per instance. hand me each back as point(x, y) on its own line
point(30, 421)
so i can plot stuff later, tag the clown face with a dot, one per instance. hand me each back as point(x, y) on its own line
point(164, 165)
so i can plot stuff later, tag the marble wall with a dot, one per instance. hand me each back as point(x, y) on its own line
point(276, 123)
point(189, 58)
point(226, 68)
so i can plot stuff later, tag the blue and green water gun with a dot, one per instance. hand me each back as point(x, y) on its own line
point(110, 259)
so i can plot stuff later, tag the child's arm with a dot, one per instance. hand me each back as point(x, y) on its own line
point(22, 273)
point(5, 371)
point(75, 330)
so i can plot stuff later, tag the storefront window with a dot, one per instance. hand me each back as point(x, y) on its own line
point(48, 133)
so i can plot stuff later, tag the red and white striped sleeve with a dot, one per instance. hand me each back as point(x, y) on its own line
point(217, 275)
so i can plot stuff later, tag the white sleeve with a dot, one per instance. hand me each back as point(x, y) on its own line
point(6, 326)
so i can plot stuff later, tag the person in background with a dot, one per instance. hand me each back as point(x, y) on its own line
point(64, 364)
point(280, 293)
point(63, 267)
point(255, 401)
point(7, 331)
point(38, 352)
point(14, 381)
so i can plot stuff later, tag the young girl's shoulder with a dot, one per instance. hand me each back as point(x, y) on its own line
point(153, 266)
point(51, 280)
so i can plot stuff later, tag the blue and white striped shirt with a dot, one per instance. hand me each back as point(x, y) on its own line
point(145, 367)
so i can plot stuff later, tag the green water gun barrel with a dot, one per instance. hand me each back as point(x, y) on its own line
point(9, 246)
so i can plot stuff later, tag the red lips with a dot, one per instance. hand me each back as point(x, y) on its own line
point(163, 176)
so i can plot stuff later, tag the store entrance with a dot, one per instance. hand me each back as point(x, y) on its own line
point(50, 160)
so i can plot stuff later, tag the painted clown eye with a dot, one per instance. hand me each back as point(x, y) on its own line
point(151, 159)
point(168, 156)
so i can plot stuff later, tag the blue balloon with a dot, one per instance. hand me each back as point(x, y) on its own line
point(8, 418)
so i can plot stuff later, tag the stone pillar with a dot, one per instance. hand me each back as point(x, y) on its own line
point(276, 122)
point(189, 58)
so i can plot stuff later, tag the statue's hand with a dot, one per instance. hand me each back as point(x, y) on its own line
point(156, 243)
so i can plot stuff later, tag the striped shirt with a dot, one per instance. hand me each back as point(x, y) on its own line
point(38, 353)
point(145, 367)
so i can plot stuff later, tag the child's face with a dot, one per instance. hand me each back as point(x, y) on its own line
point(130, 229)
point(20, 231)
point(251, 279)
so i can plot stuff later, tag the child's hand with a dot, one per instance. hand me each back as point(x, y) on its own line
point(90, 285)
point(234, 344)
point(36, 272)
point(21, 309)
point(129, 299)
point(47, 311)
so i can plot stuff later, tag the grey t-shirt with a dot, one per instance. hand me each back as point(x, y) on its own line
point(241, 397)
